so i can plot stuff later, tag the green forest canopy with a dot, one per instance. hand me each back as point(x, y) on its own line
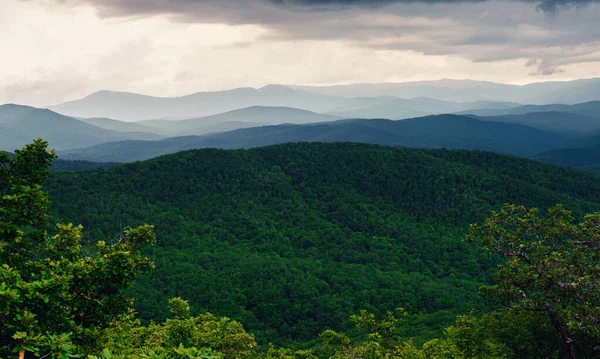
point(292, 239)
point(62, 300)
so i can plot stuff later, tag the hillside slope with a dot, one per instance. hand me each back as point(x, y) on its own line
point(292, 239)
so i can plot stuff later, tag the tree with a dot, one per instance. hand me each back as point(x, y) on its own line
point(467, 339)
point(184, 336)
point(56, 296)
point(553, 267)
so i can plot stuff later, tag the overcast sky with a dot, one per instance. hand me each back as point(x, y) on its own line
point(58, 50)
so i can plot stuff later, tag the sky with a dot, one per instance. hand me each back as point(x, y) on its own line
point(60, 50)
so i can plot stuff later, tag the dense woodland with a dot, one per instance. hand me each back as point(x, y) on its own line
point(299, 243)
point(293, 239)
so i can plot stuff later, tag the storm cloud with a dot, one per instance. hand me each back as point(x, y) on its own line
point(257, 11)
point(547, 34)
point(169, 47)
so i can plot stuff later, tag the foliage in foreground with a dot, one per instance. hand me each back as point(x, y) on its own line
point(56, 297)
point(183, 336)
point(553, 268)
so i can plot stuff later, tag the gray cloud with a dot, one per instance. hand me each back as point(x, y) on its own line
point(549, 6)
point(554, 32)
point(543, 67)
point(238, 9)
point(45, 88)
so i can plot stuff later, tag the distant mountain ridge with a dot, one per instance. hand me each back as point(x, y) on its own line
point(442, 131)
point(395, 108)
point(549, 127)
point(235, 119)
point(567, 92)
point(21, 124)
point(337, 100)
point(110, 124)
point(582, 158)
point(554, 121)
point(590, 108)
point(135, 107)
point(584, 153)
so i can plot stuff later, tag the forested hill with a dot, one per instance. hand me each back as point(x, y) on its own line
point(292, 239)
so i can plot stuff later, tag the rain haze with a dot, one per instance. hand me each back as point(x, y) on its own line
point(61, 50)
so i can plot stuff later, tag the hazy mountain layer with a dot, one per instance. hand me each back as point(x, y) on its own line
point(567, 92)
point(583, 158)
point(582, 153)
point(591, 109)
point(122, 126)
point(443, 131)
point(416, 98)
point(19, 125)
point(397, 108)
point(555, 121)
point(242, 118)
point(134, 107)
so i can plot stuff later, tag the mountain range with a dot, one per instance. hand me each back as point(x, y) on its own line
point(235, 119)
point(440, 131)
point(554, 121)
point(398, 108)
point(395, 101)
point(567, 92)
point(134, 107)
point(21, 124)
point(583, 153)
point(290, 208)
point(93, 128)
point(591, 109)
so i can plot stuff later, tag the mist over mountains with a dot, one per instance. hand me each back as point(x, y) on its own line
point(242, 118)
point(405, 97)
point(545, 121)
point(441, 131)
point(566, 92)
point(21, 124)
point(589, 108)
point(134, 107)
